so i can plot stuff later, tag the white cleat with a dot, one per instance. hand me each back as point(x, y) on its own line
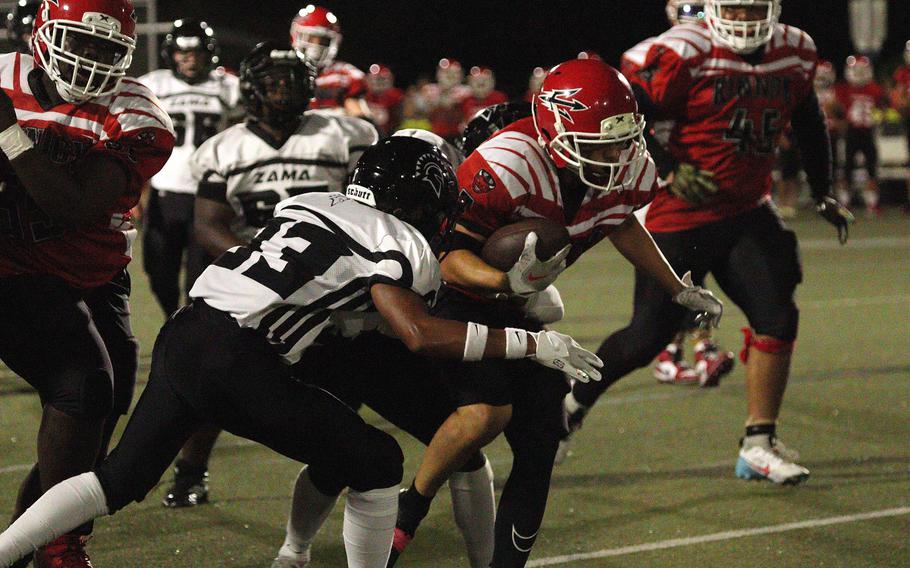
point(759, 463)
point(291, 561)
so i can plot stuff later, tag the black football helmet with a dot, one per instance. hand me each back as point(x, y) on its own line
point(267, 61)
point(189, 34)
point(488, 122)
point(20, 23)
point(411, 179)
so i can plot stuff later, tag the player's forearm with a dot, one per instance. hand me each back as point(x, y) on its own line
point(811, 133)
point(215, 238)
point(465, 269)
point(637, 246)
point(447, 339)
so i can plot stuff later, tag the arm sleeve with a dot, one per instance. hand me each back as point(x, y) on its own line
point(811, 135)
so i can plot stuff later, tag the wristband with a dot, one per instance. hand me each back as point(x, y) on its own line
point(14, 141)
point(516, 343)
point(475, 342)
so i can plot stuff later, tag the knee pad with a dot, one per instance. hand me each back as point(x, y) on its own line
point(82, 394)
point(378, 463)
point(764, 344)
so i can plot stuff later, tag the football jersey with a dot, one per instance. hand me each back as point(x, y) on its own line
point(860, 103)
point(510, 177)
point(472, 105)
point(729, 114)
point(443, 107)
point(631, 62)
point(337, 83)
point(901, 79)
point(198, 111)
point(247, 169)
point(386, 109)
point(127, 125)
point(311, 268)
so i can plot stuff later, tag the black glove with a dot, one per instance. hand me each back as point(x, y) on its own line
point(836, 214)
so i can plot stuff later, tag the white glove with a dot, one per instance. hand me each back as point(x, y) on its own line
point(559, 351)
point(529, 274)
point(545, 306)
point(700, 300)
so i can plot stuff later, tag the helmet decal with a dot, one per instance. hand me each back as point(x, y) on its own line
point(562, 101)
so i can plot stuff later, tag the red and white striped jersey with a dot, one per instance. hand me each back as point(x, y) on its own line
point(337, 83)
point(860, 103)
point(127, 125)
point(510, 177)
point(634, 58)
point(729, 114)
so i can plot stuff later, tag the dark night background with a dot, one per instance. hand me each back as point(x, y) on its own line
point(509, 36)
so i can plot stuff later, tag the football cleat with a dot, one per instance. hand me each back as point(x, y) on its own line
point(68, 551)
point(299, 561)
point(188, 489)
point(712, 364)
point(671, 369)
point(759, 463)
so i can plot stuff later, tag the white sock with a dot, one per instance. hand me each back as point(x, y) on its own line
point(64, 507)
point(572, 405)
point(369, 525)
point(309, 510)
point(763, 440)
point(870, 198)
point(474, 506)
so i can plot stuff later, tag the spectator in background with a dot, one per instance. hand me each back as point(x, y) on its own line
point(482, 82)
point(384, 98)
point(900, 99)
point(861, 97)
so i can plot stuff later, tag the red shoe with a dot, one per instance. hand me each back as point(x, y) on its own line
point(671, 369)
point(711, 363)
point(68, 551)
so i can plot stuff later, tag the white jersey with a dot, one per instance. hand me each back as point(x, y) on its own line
point(249, 170)
point(198, 110)
point(312, 267)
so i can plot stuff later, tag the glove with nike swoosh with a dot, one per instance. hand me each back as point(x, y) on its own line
point(530, 274)
point(559, 351)
point(700, 300)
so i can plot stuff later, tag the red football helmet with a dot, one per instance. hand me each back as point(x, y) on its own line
point(85, 46)
point(449, 73)
point(584, 110)
point(482, 81)
point(380, 79)
point(315, 33)
point(858, 70)
point(588, 54)
point(825, 76)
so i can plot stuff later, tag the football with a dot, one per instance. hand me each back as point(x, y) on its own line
point(504, 246)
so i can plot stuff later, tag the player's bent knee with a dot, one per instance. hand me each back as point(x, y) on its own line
point(482, 422)
point(379, 462)
point(82, 394)
point(764, 344)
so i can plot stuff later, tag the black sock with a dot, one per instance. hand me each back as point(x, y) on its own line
point(188, 470)
point(412, 508)
point(761, 429)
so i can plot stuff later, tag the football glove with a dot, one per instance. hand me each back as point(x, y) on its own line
point(545, 306)
point(530, 274)
point(693, 185)
point(700, 300)
point(559, 351)
point(836, 214)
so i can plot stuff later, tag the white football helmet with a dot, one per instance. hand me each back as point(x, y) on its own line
point(742, 35)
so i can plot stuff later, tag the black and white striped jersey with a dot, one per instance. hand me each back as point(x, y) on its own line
point(198, 111)
point(311, 268)
point(249, 170)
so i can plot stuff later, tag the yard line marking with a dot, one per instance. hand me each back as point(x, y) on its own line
point(870, 243)
point(16, 468)
point(721, 536)
point(855, 302)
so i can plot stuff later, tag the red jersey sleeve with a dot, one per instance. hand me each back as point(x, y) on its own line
point(665, 75)
point(493, 205)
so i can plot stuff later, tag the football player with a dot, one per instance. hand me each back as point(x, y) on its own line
point(482, 82)
point(580, 161)
point(73, 167)
point(384, 98)
point(731, 86)
point(441, 101)
point(862, 98)
point(670, 366)
point(243, 172)
point(340, 86)
point(20, 24)
point(824, 85)
point(900, 98)
point(488, 122)
point(197, 96)
point(236, 355)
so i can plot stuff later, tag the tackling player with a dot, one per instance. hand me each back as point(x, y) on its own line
point(197, 97)
point(236, 354)
point(731, 85)
point(340, 86)
point(580, 161)
point(74, 165)
point(244, 171)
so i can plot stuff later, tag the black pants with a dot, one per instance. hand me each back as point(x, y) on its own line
point(860, 140)
point(754, 259)
point(167, 233)
point(207, 369)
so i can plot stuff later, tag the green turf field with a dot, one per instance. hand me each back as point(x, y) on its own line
point(651, 481)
